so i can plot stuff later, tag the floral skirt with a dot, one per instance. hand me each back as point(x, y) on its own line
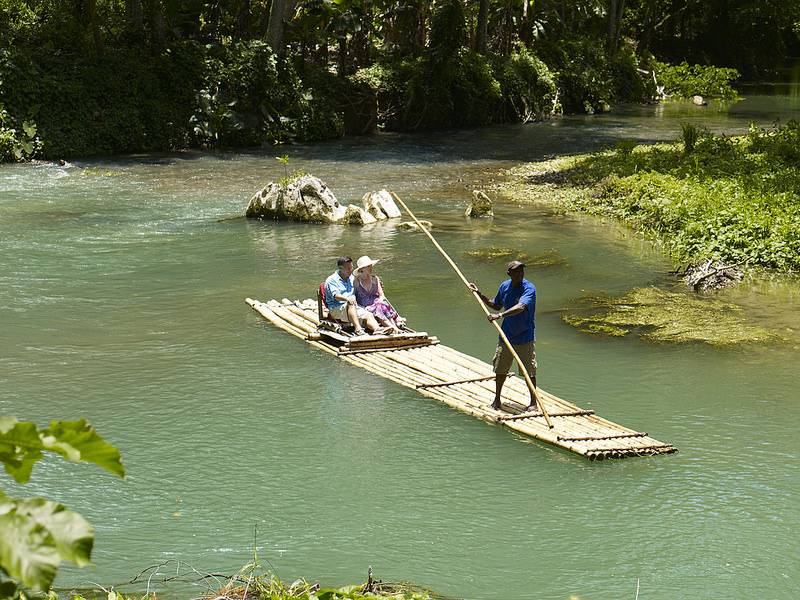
point(382, 310)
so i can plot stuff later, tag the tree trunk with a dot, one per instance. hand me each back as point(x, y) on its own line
point(158, 38)
point(646, 34)
point(341, 67)
point(242, 20)
point(616, 8)
point(91, 6)
point(281, 10)
point(525, 29)
point(86, 14)
point(481, 27)
point(133, 10)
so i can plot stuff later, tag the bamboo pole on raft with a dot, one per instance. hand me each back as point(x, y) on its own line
point(522, 367)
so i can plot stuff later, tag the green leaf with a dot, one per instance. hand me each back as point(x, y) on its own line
point(30, 128)
point(27, 550)
point(9, 589)
point(20, 447)
point(78, 440)
point(36, 535)
point(71, 533)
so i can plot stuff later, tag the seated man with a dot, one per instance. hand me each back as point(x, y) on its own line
point(341, 299)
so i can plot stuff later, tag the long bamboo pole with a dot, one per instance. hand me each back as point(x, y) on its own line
point(503, 337)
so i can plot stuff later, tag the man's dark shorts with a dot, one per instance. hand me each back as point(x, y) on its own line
point(503, 358)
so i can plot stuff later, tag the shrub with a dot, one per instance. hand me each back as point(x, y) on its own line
point(731, 199)
point(686, 80)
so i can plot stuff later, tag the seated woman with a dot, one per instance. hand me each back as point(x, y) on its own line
point(369, 294)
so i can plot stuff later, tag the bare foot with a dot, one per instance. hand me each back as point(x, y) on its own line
point(532, 408)
point(496, 405)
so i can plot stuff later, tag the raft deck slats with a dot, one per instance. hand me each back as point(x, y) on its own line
point(420, 362)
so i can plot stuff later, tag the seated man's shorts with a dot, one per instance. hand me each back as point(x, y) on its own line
point(503, 358)
point(340, 312)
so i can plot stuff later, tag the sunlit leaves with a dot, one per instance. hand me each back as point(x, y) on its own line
point(21, 445)
point(36, 534)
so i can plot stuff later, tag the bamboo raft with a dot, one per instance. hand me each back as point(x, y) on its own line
point(420, 362)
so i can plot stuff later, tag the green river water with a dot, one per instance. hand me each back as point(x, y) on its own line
point(122, 286)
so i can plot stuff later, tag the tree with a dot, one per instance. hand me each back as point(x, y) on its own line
point(482, 26)
point(281, 11)
point(37, 534)
point(616, 10)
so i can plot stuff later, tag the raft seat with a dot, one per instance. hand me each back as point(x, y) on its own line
point(326, 321)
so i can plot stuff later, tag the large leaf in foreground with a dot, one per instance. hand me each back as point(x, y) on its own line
point(37, 536)
point(69, 437)
point(22, 444)
point(20, 447)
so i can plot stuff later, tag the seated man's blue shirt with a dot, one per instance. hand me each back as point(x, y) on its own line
point(334, 284)
point(519, 328)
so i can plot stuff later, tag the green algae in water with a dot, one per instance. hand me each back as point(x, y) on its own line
point(662, 316)
point(548, 258)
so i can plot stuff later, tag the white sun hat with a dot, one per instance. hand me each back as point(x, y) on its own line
point(365, 261)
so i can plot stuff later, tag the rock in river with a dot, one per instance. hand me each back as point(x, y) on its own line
point(307, 198)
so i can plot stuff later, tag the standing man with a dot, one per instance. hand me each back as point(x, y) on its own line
point(341, 298)
point(516, 301)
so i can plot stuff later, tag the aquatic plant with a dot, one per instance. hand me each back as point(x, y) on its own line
point(659, 315)
point(501, 254)
point(17, 144)
point(625, 146)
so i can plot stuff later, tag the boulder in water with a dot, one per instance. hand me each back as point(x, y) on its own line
point(307, 198)
point(303, 199)
point(381, 205)
point(412, 226)
point(481, 205)
point(355, 215)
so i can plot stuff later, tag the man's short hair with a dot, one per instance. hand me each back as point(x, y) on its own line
point(343, 260)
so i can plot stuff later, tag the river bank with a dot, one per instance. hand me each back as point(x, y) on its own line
point(729, 203)
point(731, 199)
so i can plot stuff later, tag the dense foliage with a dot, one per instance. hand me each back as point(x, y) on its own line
point(108, 76)
point(37, 534)
point(735, 199)
point(685, 81)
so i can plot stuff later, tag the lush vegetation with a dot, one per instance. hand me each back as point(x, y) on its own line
point(685, 81)
point(108, 76)
point(37, 534)
point(735, 199)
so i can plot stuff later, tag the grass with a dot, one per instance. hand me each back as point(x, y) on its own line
point(252, 582)
point(734, 199)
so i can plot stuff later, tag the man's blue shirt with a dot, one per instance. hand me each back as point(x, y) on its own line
point(519, 328)
point(334, 284)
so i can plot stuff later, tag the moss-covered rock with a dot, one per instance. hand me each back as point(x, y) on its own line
point(481, 205)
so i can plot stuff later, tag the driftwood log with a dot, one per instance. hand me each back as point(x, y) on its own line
point(710, 274)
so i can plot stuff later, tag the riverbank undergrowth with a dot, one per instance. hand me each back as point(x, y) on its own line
point(734, 199)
